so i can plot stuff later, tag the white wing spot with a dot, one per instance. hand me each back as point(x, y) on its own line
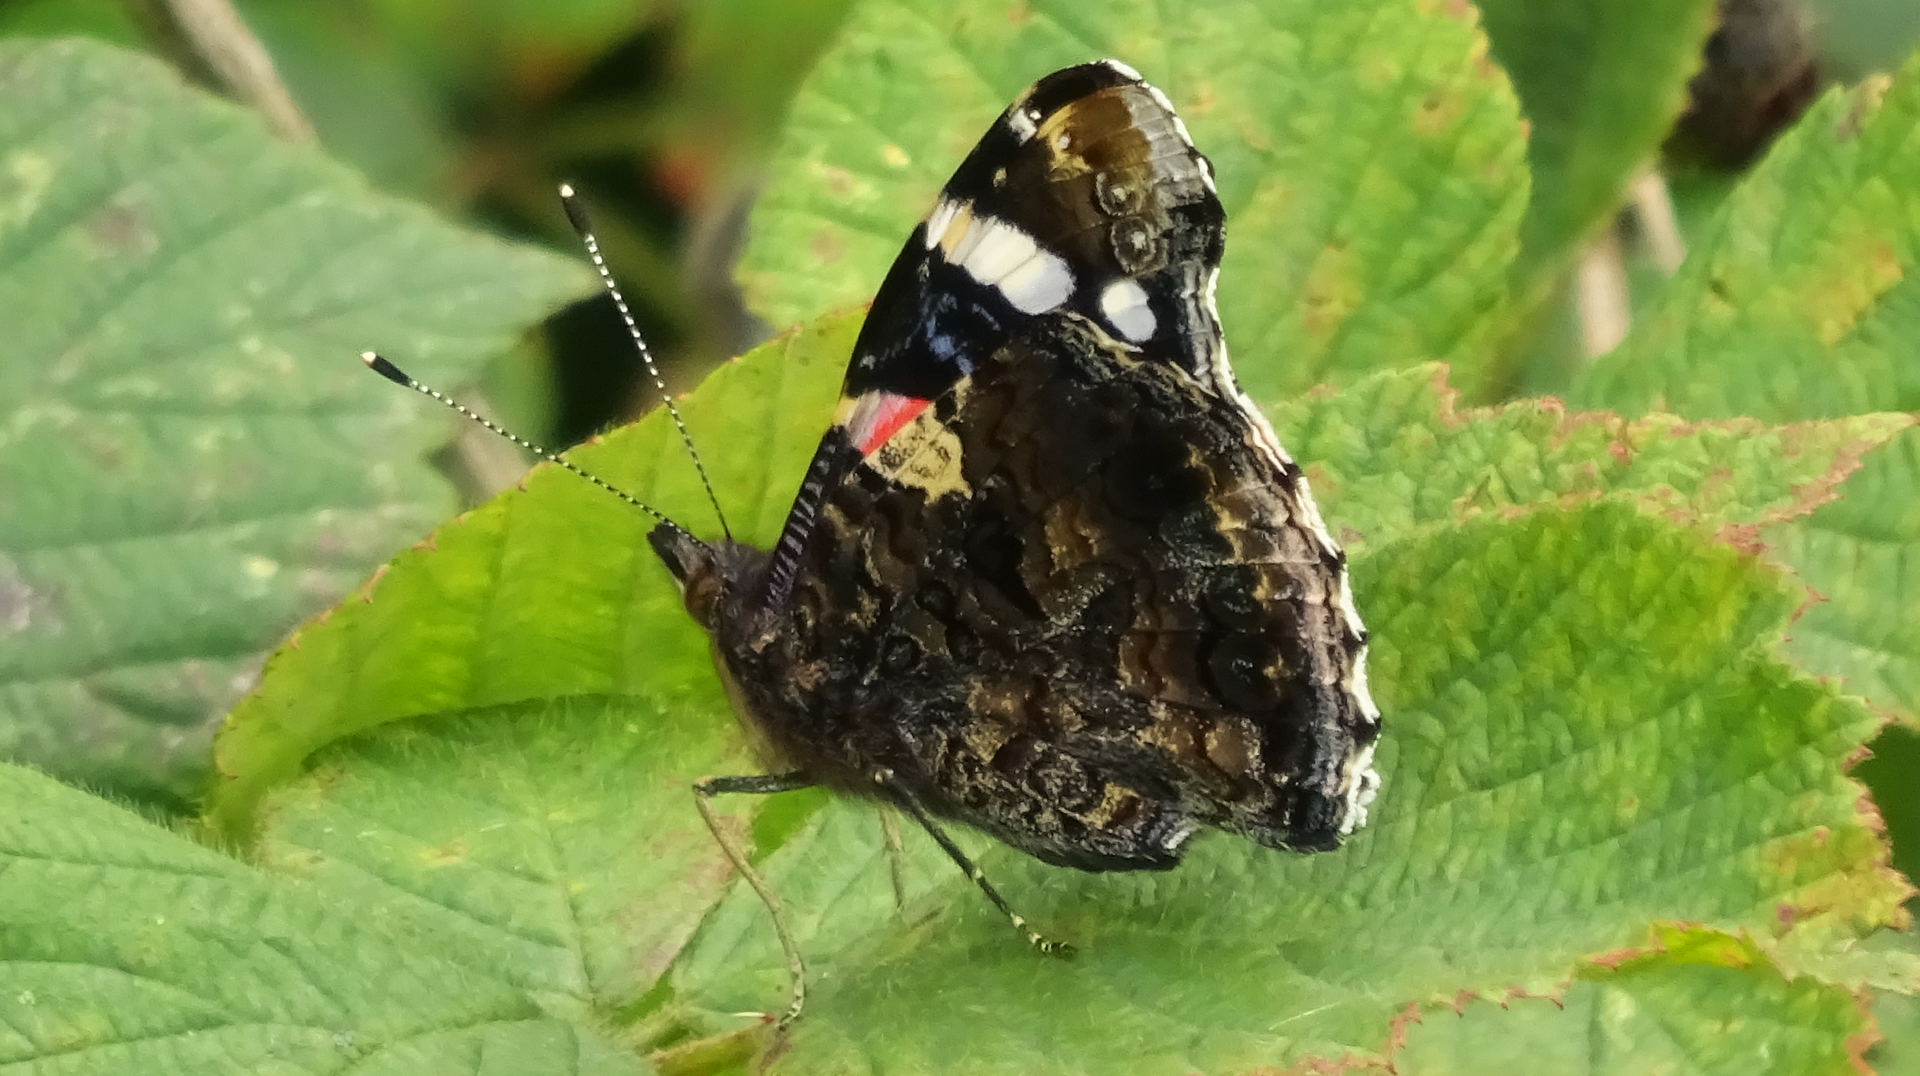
point(960, 242)
point(1039, 284)
point(1123, 69)
point(1124, 302)
point(993, 248)
point(1000, 255)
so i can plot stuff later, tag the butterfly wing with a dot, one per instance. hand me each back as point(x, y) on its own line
point(1093, 611)
point(1085, 196)
point(1049, 567)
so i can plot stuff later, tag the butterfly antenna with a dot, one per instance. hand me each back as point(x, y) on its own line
point(577, 216)
point(400, 377)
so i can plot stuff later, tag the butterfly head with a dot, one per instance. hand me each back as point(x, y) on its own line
point(711, 577)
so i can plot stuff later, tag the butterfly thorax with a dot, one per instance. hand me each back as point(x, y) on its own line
point(754, 640)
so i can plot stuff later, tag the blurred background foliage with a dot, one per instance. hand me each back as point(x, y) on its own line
point(664, 113)
point(661, 112)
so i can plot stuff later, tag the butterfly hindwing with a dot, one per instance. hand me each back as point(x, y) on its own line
point(1083, 598)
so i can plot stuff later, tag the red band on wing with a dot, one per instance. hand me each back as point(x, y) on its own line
point(893, 412)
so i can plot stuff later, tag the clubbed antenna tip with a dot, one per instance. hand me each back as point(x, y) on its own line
point(576, 212)
point(399, 377)
point(386, 369)
point(577, 216)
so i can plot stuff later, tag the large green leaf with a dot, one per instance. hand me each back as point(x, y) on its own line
point(1369, 158)
point(1802, 302)
point(191, 458)
point(1702, 1003)
point(1553, 788)
point(124, 948)
point(553, 844)
point(1798, 300)
point(1601, 82)
point(1549, 794)
point(1896, 1016)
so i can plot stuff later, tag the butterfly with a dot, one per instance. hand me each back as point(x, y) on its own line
point(1050, 575)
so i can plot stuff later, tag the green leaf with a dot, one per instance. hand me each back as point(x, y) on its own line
point(1369, 158)
point(1860, 554)
point(1801, 302)
point(1798, 300)
point(1396, 453)
point(1896, 1015)
point(1549, 793)
point(127, 949)
point(192, 458)
point(553, 844)
point(1601, 82)
point(1703, 1004)
point(1551, 788)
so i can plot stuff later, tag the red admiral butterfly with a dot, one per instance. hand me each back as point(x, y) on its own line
point(1049, 574)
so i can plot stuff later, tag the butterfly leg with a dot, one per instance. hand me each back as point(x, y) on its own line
point(907, 802)
point(759, 785)
point(890, 834)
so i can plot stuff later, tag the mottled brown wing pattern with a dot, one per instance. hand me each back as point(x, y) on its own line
point(1050, 573)
point(1099, 621)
